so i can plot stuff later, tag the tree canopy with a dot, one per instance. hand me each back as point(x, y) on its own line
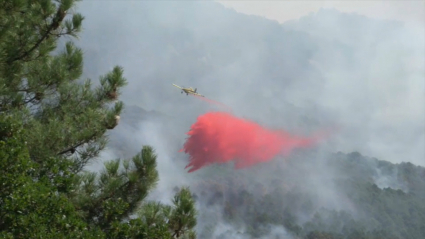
point(53, 123)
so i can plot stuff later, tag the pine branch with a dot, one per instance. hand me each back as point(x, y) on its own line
point(80, 164)
point(96, 210)
point(73, 148)
point(60, 14)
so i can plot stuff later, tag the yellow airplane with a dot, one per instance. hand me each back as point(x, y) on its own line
point(188, 91)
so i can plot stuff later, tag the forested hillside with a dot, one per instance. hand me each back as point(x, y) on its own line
point(311, 194)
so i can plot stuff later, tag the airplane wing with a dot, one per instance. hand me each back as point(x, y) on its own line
point(177, 86)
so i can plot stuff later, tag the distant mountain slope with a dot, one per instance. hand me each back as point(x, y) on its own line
point(309, 194)
point(349, 28)
point(339, 200)
point(328, 68)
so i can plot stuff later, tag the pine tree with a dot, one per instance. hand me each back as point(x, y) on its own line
point(61, 123)
point(30, 208)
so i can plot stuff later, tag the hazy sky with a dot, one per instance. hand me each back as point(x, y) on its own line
point(408, 11)
point(155, 48)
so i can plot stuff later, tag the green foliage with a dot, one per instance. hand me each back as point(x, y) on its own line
point(183, 217)
point(136, 228)
point(159, 221)
point(52, 124)
point(29, 207)
point(116, 193)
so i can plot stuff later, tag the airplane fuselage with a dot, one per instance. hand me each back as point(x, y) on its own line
point(189, 90)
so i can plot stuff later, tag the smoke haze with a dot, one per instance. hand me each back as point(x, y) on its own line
point(328, 68)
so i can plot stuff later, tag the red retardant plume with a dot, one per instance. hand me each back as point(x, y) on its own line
point(219, 137)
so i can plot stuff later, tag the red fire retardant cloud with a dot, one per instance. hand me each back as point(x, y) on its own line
point(219, 137)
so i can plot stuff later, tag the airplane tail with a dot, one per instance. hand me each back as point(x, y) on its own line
point(195, 89)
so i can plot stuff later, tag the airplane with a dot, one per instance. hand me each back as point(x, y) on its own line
point(188, 91)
